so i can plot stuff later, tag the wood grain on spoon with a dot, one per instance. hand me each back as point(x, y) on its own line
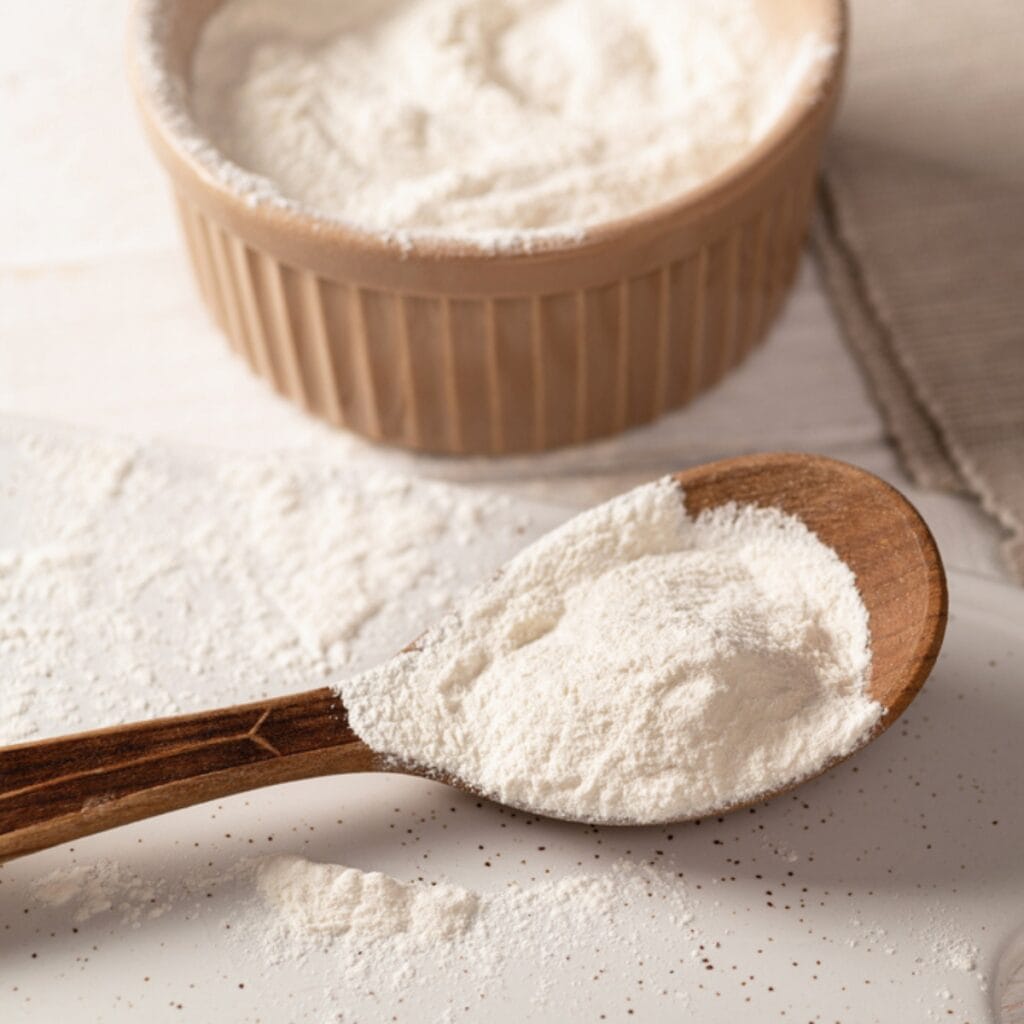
point(56, 790)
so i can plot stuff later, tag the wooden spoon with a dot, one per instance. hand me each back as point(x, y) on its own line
point(56, 790)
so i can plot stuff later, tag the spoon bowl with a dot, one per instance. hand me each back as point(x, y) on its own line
point(56, 790)
point(882, 539)
point(875, 531)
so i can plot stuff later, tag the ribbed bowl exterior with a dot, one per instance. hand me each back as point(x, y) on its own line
point(469, 375)
point(466, 354)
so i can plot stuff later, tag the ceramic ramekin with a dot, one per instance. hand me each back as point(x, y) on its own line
point(450, 349)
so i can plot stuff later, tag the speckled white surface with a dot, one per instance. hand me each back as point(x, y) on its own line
point(851, 900)
point(101, 328)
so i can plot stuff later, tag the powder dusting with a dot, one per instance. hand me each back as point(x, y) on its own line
point(370, 935)
point(375, 929)
point(331, 899)
point(100, 887)
point(113, 597)
point(637, 664)
point(504, 122)
point(136, 583)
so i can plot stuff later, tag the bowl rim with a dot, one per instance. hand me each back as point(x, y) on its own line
point(328, 233)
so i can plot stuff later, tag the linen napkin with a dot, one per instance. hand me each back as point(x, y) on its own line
point(920, 237)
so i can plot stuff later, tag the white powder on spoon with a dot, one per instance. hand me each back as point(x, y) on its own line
point(500, 121)
point(636, 664)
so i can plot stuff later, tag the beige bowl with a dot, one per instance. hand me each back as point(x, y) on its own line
point(449, 349)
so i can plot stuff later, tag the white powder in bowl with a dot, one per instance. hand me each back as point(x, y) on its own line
point(637, 664)
point(500, 121)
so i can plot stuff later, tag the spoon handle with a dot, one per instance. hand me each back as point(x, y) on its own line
point(55, 790)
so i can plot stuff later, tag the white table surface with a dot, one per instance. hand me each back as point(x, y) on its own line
point(100, 325)
point(886, 890)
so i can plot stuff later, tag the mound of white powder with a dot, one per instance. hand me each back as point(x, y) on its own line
point(377, 926)
point(332, 899)
point(495, 120)
point(636, 664)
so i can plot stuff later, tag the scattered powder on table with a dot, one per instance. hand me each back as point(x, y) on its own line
point(137, 581)
point(378, 930)
point(499, 121)
point(143, 582)
point(331, 899)
point(369, 935)
point(957, 952)
point(100, 887)
point(637, 664)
